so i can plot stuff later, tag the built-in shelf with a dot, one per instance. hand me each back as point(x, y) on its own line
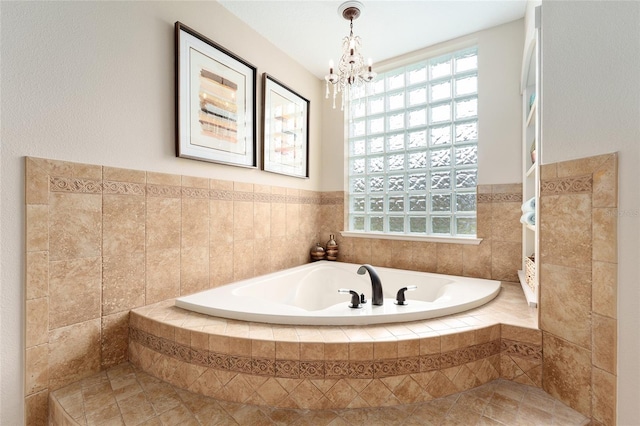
point(531, 170)
point(531, 119)
point(531, 132)
point(532, 300)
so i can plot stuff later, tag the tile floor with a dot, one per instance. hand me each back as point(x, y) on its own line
point(124, 395)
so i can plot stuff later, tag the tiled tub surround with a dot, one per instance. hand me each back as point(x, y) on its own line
point(309, 367)
point(578, 284)
point(117, 239)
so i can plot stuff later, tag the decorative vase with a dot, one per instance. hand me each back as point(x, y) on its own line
point(332, 248)
point(317, 252)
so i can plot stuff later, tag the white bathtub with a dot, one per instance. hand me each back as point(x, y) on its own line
point(308, 295)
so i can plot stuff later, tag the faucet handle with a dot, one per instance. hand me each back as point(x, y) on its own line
point(400, 299)
point(355, 297)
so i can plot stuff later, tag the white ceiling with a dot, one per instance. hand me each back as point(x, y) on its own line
point(311, 31)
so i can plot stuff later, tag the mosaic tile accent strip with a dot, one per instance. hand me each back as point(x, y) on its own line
point(165, 191)
point(83, 186)
point(567, 185)
point(499, 198)
point(188, 192)
point(123, 188)
point(522, 350)
point(329, 369)
point(61, 184)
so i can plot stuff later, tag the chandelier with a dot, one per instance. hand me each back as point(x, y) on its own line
point(351, 70)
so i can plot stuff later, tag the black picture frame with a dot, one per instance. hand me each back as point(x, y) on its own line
point(215, 101)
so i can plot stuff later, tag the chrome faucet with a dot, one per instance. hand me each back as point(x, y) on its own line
point(376, 284)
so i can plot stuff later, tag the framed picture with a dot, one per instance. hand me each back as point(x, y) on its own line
point(215, 102)
point(285, 127)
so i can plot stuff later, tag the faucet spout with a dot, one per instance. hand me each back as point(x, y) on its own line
point(376, 284)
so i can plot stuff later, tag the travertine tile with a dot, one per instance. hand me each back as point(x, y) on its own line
point(292, 214)
point(505, 260)
point(74, 352)
point(604, 397)
point(123, 282)
point(605, 288)
point(477, 260)
point(36, 408)
point(261, 220)
point(195, 182)
point(581, 166)
point(484, 223)
point(75, 225)
point(548, 171)
point(220, 265)
point(162, 224)
point(37, 223)
point(123, 220)
point(243, 259)
point(605, 235)
point(605, 343)
point(124, 175)
point(521, 334)
point(114, 339)
point(505, 218)
point(195, 222)
point(567, 373)
point(37, 321)
point(37, 274)
point(565, 230)
point(162, 269)
point(243, 228)
point(605, 183)
point(565, 303)
point(36, 183)
point(194, 269)
point(449, 259)
point(81, 279)
point(36, 369)
point(278, 219)
point(221, 222)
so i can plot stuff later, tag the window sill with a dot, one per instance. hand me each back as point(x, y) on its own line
point(407, 237)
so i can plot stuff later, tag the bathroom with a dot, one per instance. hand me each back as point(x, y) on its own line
point(589, 111)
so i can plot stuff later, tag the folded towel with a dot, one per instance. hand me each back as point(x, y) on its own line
point(529, 205)
point(528, 218)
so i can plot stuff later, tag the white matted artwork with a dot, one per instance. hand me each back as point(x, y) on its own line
point(285, 130)
point(215, 102)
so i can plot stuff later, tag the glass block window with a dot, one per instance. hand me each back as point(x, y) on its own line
point(413, 149)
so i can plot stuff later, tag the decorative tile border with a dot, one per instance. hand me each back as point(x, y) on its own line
point(61, 184)
point(521, 350)
point(83, 186)
point(359, 369)
point(567, 185)
point(499, 198)
point(123, 188)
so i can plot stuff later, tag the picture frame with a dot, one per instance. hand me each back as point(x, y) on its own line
point(285, 126)
point(215, 101)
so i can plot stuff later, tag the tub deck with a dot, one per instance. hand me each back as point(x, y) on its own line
point(335, 367)
point(509, 307)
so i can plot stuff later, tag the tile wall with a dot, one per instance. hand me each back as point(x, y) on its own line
point(578, 284)
point(101, 241)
